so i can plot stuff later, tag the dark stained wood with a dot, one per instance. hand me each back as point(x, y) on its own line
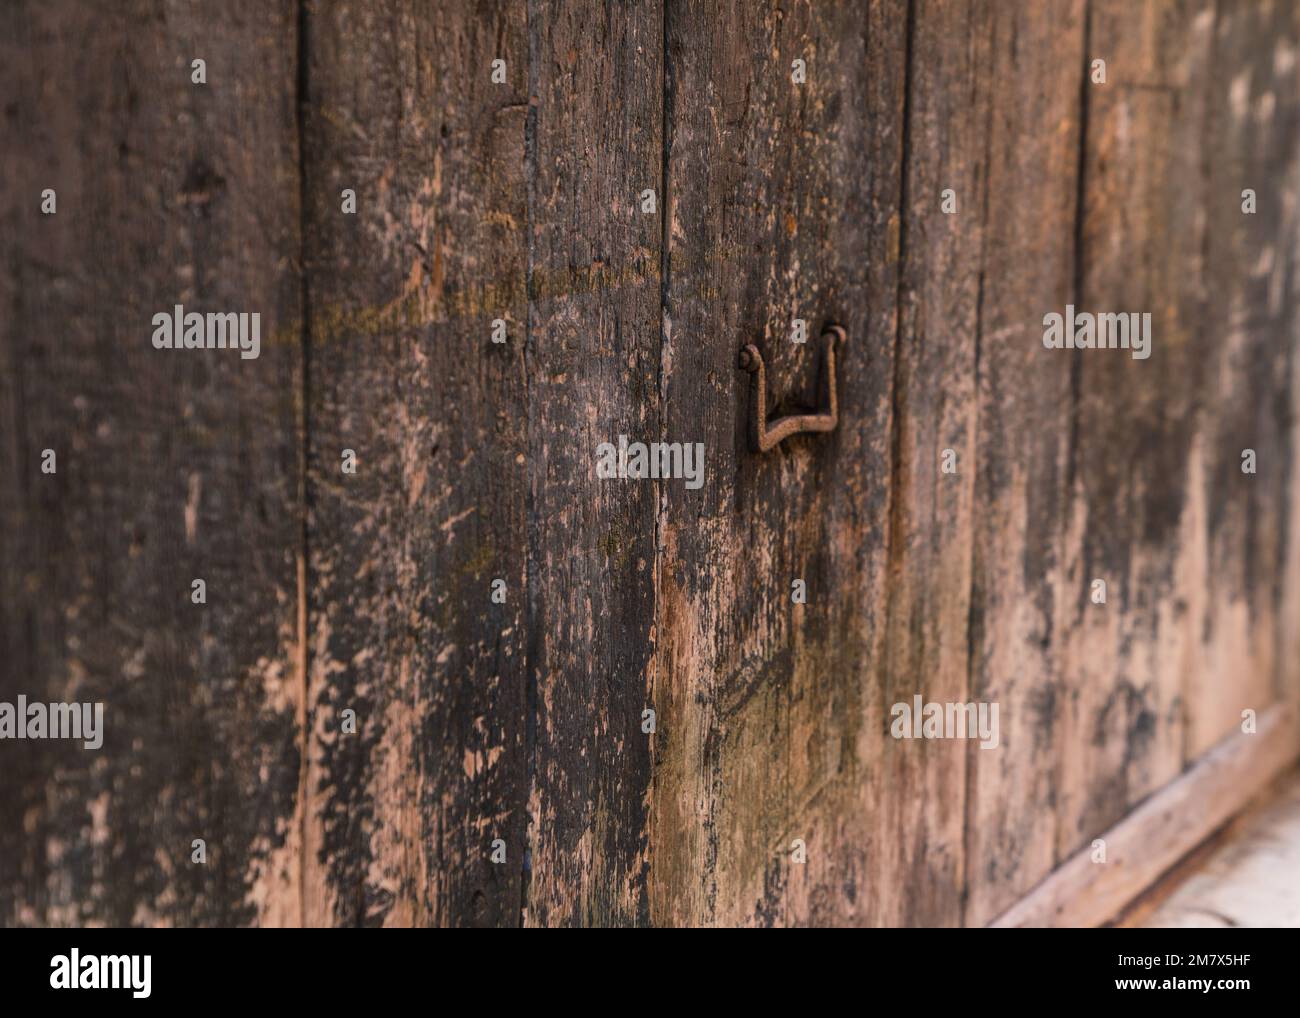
point(400, 107)
point(594, 374)
point(783, 202)
point(171, 465)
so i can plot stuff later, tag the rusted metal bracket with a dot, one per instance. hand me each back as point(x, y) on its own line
point(764, 435)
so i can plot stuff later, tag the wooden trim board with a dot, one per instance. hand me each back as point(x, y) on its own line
point(1162, 829)
point(1230, 879)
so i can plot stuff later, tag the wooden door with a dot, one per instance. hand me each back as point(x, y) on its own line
point(448, 674)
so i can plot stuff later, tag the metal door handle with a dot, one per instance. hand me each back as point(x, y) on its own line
point(764, 434)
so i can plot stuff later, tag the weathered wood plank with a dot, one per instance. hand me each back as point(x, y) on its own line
point(934, 410)
point(1137, 521)
point(401, 108)
point(171, 465)
point(594, 374)
point(1251, 141)
point(1020, 596)
point(783, 203)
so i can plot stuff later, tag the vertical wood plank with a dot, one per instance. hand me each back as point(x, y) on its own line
point(1288, 250)
point(1250, 142)
point(171, 465)
point(1138, 517)
point(401, 108)
point(594, 374)
point(783, 203)
point(1025, 448)
point(935, 420)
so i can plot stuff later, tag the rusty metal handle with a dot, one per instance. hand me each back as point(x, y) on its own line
point(764, 435)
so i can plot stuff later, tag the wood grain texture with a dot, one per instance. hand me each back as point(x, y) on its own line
point(1252, 141)
point(783, 203)
point(1138, 519)
point(1025, 447)
point(593, 368)
point(935, 420)
point(401, 816)
point(171, 465)
point(522, 200)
